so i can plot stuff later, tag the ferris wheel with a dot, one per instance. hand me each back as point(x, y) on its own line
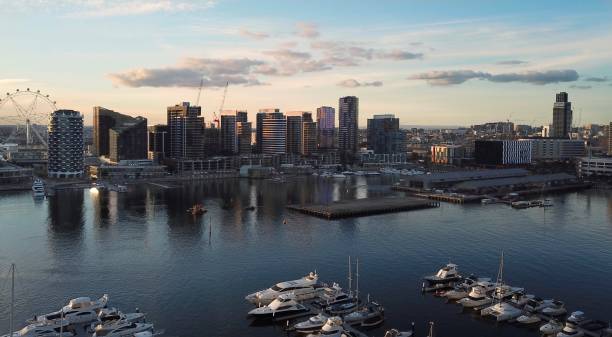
point(24, 115)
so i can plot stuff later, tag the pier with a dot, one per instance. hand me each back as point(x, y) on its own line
point(364, 207)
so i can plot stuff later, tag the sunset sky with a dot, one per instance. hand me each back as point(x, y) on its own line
point(428, 62)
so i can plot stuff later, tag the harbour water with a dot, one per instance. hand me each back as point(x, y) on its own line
point(145, 251)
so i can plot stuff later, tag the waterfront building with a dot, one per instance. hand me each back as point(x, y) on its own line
point(128, 169)
point(309, 134)
point(610, 139)
point(65, 141)
point(384, 135)
point(326, 127)
point(118, 136)
point(562, 116)
point(595, 167)
point(244, 130)
point(450, 179)
point(348, 124)
point(159, 142)
point(14, 175)
point(294, 132)
point(556, 149)
point(186, 131)
point(271, 131)
point(445, 154)
point(229, 135)
point(502, 152)
point(212, 140)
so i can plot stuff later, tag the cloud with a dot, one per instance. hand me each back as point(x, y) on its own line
point(214, 73)
point(253, 35)
point(307, 30)
point(13, 80)
point(580, 87)
point(596, 79)
point(106, 8)
point(289, 62)
point(400, 55)
point(352, 83)
point(350, 54)
point(511, 62)
point(451, 77)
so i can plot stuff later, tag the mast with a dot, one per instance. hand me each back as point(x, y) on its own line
point(431, 325)
point(350, 277)
point(500, 278)
point(12, 299)
point(357, 282)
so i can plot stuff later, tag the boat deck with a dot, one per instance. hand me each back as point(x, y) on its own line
point(363, 207)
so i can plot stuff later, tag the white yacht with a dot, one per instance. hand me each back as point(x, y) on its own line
point(578, 317)
point(528, 317)
point(312, 324)
point(285, 304)
point(332, 295)
point(501, 311)
point(478, 295)
point(112, 314)
point(547, 203)
point(520, 299)
point(78, 310)
point(38, 188)
point(397, 333)
point(463, 289)
point(40, 329)
point(570, 330)
point(557, 308)
point(303, 289)
point(369, 315)
point(553, 327)
point(121, 329)
point(333, 327)
point(446, 274)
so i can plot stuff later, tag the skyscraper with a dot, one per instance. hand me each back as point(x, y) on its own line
point(562, 116)
point(384, 135)
point(326, 124)
point(610, 139)
point(243, 130)
point(348, 124)
point(212, 140)
point(229, 135)
point(309, 134)
point(271, 131)
point(294, 132)
point(186, 131)
point(65, 144)
point(159, 142)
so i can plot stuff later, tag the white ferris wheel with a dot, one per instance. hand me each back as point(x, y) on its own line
point(24, 115)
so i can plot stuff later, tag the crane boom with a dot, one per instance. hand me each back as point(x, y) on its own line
point(222, 103)
point(200, 91)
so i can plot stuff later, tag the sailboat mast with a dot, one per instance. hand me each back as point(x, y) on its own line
point(350, 276)
point(12, 299)
point(357, 282)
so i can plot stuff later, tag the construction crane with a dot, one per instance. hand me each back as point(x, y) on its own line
point(222, 103)
point(200, 91)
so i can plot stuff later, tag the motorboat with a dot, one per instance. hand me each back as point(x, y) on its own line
point(397, 333)
point(446, 274)
point(342, 308)
point(531, 310)
point(312, 324)
point(338, 176)
point(487, 201)
point(501, 311)
point(557, 308)
point(348, 173)
point(331, 296)
point(369, 315)
point(547, 203)
point(41, 329)
point(38, 188)
point(520, 204)
point(112, 314)
point(373, 173)
point(553, 327)
point(303, 289)
point(462, 289)
point(528, 318)
point(520, 299)
point(332, 327)
point(121, 329)
point(78, 310)
point(283, 305)
point(570, 330)
point(578, 318)
point(478, 295)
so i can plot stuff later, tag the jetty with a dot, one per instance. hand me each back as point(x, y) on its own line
point(364, 207)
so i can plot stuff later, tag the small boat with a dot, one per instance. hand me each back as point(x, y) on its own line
point(250, 208)
point(397, 333)
point(112, 314)
point(338, 176)
point(445, 275)
point(570, 330)
point(553, 327)
point(520, 204)
point(531, 310)
point(332, 327)
point(197, 209)
point(578, 318)
point(43, 330)
point(121, 329)
point(520, 299)
point(284, 305)
point(478, 295)
point(462, 289)
point(372, 314)
point(342, 308)
point(528, 318)
point(303, 289)
point(547, 203)
point(557, 308)
point(331, 296)
point(487, 201)
point(313, 324)
point(38, 188)
point(501, 311)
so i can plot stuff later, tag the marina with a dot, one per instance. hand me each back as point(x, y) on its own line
point(363, 207)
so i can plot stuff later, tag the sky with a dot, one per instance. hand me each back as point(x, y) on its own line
point(428, 62)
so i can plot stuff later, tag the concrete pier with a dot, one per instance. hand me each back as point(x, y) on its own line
point(364, 207)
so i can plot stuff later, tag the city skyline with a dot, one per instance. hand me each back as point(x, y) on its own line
point(466, 64)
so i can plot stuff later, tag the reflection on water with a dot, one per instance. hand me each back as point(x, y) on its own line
point(190, 274)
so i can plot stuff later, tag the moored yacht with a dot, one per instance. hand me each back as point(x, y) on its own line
point(445, 275)
point(331, 296)
point(284, 305)
point(121, 329)
point(397, 333)
point(570, 330)
point(553, 327)
point(501, 311)
point(557, 308)
point(40, 329)
point(531, 310)
point(462, 289)
point(38, 188)
point(332, 328)
point(478, 295)
point(112, 314)
point(369, 315)
point(520, 299)
point(304, 288)
point(312, 324)
point(78, 310)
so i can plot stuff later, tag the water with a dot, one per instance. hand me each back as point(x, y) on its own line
point(145, 251)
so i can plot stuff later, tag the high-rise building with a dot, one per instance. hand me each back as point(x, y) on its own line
point(309, 134)
point(562, 116)
point(271, 131)
point(294, 132)
point(212, 140)
point(502, 152)
point(186, 131)
point(118, 136)
point(244, 137)
point(348, 124)
point(241, 117)
point(65, 140)
point(326, 124)
point(447, 154)
point(610, 139)
point(384, 135)
point(159, 142)
point(229, 135)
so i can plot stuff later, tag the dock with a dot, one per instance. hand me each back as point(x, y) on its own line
point(364, 207)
